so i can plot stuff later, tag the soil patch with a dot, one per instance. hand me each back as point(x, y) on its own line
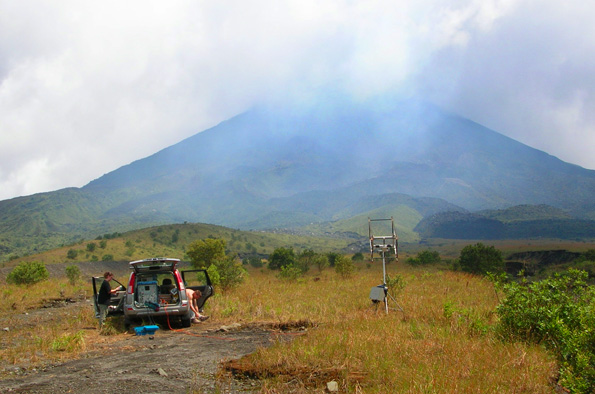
point(169, 361)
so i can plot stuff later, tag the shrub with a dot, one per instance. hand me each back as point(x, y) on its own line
point(344, 266)
point(359, 256)
point(254, 261)
point(73, 273)
point(332, 258)
point(107, 257)
point(91, 246)
point(557, 312)
point(321, 261)
point(481, 259)
point(71, 254)
point(28, 273)
point(205, 252)
point(282, 257)
point(290, 272)
point(230, 272)
point(424, 257)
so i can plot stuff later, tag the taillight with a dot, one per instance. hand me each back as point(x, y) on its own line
point(179, 280)
point(130, 289)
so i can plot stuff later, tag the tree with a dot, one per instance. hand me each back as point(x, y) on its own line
point(73, 273)
point(28, 273)
point(321, 261)
point(481, 259)
point(254, 261)
point(229, 271)
point(203, 253)
point(425, 257)
point(344, 266)
point(305, 259)
point(91, 246)
point(332, 257)
point(357, 257)
point(71, 254)
point(281, 257)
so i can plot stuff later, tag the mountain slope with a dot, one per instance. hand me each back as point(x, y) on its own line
point(297, 165)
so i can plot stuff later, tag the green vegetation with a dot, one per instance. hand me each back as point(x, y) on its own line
point(425, 257)
point(73, 273)
point(481, 259)
point(224, 271)
point(344, 266)
point(559, 313)
point(28, 273)
point(282, 257)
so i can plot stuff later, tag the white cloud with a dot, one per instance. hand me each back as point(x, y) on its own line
point(87, 87)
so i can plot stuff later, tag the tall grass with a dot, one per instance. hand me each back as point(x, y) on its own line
point(35, 335)
point(442, 342)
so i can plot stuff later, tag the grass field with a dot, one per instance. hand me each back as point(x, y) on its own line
point(441, 342)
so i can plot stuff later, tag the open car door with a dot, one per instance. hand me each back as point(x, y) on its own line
point(116, 304)
point(198, 280)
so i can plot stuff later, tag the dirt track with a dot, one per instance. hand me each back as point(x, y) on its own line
point(184, 361)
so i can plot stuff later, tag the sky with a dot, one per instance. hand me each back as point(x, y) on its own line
point(87, 87)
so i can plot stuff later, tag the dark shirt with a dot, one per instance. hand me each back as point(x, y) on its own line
point(104, 293)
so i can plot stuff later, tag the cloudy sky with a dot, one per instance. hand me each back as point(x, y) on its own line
point(86, 87)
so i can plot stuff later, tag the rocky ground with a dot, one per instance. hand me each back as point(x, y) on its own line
point(170, 361)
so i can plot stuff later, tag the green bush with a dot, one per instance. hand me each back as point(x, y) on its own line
point(290, 272)
point(424, 257)
point(344, 266)
point(357, 257)
point(559, 313)
point(73, 273)
point(71, 254)
point(282, 257)
point(28, 273)
point(254, 261)
point(481, 259)
point(229, 271)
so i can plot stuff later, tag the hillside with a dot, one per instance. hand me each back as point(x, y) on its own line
point(295, 166)
point(519, 222)
point(172, 240)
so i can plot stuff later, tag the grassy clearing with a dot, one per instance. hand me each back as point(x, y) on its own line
point(46, 322)
point(442, 343)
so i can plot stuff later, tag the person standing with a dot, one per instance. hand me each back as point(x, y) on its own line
point(104, 296)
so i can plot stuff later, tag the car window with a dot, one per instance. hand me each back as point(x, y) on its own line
point(192, 279)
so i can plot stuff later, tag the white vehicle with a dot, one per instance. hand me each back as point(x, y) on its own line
point(156, 290)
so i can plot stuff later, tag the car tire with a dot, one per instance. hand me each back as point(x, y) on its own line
point(186, 321)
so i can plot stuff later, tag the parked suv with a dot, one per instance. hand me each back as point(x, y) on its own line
point(157, 290)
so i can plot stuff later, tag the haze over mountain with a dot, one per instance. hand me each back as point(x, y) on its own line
point(293, 165)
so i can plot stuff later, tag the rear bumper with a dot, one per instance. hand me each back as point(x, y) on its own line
point(130, 311)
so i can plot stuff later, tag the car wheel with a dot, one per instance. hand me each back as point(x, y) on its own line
point(186, 322)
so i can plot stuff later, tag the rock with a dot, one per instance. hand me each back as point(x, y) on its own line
point(332, 387)
point(161, 372)
point(230, 327)
point(6, 329)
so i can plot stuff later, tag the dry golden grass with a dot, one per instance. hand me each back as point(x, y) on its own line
point(442, 342)
point(46, 322)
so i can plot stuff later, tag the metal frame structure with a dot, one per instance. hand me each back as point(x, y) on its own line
point(383, 245)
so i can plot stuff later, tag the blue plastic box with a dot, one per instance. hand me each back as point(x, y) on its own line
point(144, 330)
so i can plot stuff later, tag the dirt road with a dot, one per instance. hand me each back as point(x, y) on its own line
point(182, 361)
